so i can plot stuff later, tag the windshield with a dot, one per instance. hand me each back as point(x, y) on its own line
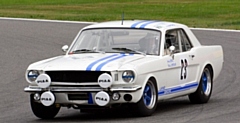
point(118, 40)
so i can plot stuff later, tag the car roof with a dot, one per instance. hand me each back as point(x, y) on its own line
point(142, 24)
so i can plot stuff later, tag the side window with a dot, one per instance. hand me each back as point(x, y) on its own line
point(185, 42)
point(171, 39)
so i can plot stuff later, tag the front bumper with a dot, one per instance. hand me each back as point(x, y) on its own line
point(64, 95)
point(83, 89)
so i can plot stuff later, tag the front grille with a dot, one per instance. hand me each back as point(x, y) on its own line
point(75, 76)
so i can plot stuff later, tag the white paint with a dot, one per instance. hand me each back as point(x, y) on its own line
point(144, 66)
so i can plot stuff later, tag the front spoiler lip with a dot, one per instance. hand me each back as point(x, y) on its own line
point(82, 89)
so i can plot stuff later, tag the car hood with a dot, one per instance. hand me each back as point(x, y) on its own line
point(86, 62)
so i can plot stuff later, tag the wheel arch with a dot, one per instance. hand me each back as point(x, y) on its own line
point(207, 65)
point(149, 99)
point(200, 96)
point(153, 79)
point(211, 69)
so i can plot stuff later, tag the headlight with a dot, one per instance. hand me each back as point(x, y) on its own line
point(32, 75)
point(128, 76)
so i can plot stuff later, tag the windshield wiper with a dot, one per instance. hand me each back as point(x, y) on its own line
point(87, 51)
point(128, 50)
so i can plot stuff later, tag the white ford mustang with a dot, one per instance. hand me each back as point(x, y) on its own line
point(136, 62)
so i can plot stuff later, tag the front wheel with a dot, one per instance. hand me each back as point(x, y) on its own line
point(43, 112)
point(148, 103)
point(204, 91)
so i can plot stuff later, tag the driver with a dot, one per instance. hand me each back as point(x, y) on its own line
point(152, 45)
point(149, 44)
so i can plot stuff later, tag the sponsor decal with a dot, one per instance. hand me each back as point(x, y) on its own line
point(164, 90)
point(102, 98)
point(105, 80)
point(43, 81)
point(170, 25)
point(47, 98)
point(171, 63)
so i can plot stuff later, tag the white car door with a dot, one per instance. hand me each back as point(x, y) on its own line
point(181, 68)
point(189, 64)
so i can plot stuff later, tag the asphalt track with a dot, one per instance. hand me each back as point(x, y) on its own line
point(24, 42)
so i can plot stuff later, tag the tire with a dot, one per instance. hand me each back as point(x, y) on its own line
point(148, 103)
point(204, 91)
point(43, 112)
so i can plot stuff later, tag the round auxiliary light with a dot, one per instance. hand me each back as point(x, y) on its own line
point(32, 75)
point(43, 81)
point(105, 80)
point(47, 98)
point(116, 96)
point(102, 98)
point(128, 76)
point(36, 96)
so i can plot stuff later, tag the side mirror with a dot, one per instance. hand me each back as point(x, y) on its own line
point(171, 49)
point(65, 48)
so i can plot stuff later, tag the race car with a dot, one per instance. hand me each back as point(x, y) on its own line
point(128, 62)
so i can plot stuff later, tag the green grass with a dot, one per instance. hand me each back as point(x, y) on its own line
point(194, 13)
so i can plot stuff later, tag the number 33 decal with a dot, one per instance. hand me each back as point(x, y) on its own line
point(184, 65)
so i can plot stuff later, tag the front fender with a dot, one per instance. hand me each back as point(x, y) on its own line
point(142, 80)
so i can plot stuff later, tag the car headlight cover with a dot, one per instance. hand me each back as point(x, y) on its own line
point(32, 75)
point(128, 76)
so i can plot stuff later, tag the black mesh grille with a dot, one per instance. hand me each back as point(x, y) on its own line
point(75, 76)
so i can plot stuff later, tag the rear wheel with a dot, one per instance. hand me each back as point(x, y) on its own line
point(148, 103)
point(204, 91)
point(43, 112)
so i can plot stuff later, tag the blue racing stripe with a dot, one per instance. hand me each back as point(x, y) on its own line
point(145, 24)
point(99, 67)
point(90, 100)
point(135, 24)
point(185, 87)
point(177, 89)
point(92, 64)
